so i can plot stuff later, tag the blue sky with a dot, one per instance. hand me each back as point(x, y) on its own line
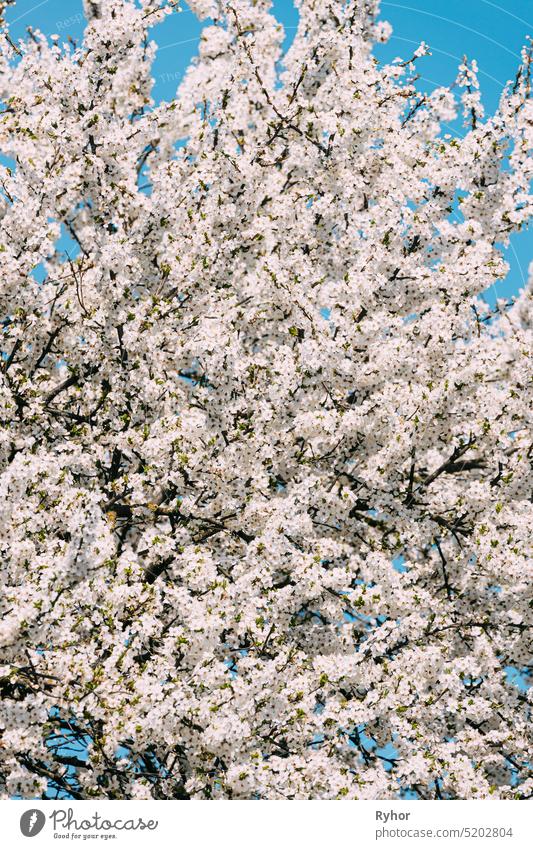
point(491, 32)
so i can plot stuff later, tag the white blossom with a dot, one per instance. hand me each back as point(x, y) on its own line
point(264, 447)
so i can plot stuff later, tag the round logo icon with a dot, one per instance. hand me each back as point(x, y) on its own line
point(32, 822)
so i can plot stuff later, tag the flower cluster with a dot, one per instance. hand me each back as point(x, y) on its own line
point(264, 458)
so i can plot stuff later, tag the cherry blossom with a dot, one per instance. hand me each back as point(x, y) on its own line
point(264, 448)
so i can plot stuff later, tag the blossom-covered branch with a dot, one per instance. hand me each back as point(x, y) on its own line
point(264, 451)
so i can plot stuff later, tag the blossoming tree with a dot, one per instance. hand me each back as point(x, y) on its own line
point(263, 445)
